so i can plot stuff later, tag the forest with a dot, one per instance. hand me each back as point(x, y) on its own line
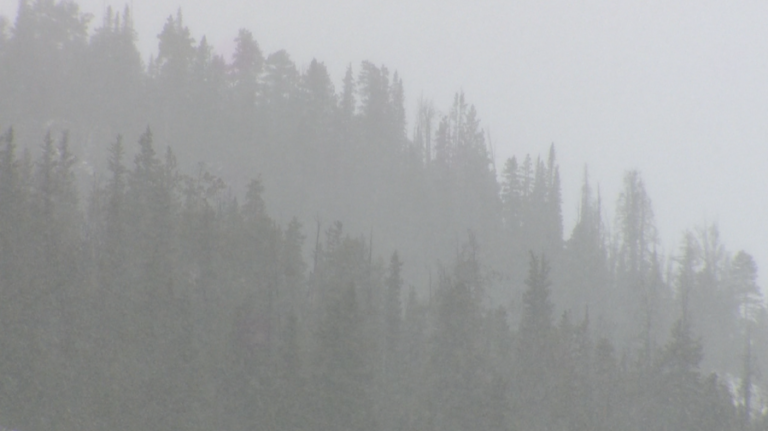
point(193, 243)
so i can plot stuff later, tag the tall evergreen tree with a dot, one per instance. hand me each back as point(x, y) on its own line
point(534, 384)
point(454, 362)
point(511, 197)
point(393, 307)
point(115, 72)
point(585, 259)
point(17, 365)
point(343, 380)
point(638, 264)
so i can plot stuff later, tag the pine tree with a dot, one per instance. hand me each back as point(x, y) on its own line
point(585, 258)
point(11, 210)
point(343, 379)
point(294, 268)
point(455, 361)
point(423, 134)
point(347, 100)
point(606, 386)
point(686, 279)
point(397, 97)
point(743, 284)
point(44, 61)
point(534, 385)
point(247, 64)
point(554, 212)
point(713, 306)
point(638, 263)
point(114, 72)
point(679, 383)
point(278, 114)
point(316, 150)
point(511, 197)
point(175, 53)
point(536, 323)
point(393, 308)
point(373, 87)
point(19, 396)
point(244, 74)
point(175, 57)
point(114, 248)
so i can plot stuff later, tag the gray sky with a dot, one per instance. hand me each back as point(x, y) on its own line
point(678, 90)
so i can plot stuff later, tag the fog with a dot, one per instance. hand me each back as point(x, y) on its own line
point(292, 215)
point(674, 90)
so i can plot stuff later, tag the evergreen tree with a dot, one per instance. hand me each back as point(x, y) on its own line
point(175, 52)
point(743, 283)
point(316, 149)
point(680, 385)
point(534, 387)
point(247, 64)
point(424, 134)
point(537, 316)
point(606, 386)
point(585, 259)
point(638, 263)
point(343, 390)
point(244, 75)
point(511, 197)
point(45, 52)
point(175, 57)
point(455, 362)
point(115, 72)
point(17, 365)
point(393, 309)
point(554, 213)
point(713, 306)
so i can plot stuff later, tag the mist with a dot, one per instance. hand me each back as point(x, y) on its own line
point(200, 235)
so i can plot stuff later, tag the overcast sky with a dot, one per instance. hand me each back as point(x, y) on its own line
point(677, 89)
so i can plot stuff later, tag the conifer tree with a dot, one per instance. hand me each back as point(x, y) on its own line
point(534, 385)
point(393, 307)
point(536, 323)
point(454, 361)
point(175, 52)
point(743, 283)
point(680, 387)
point(247, 64)
point(585, 258)
point(115, 72)
point(244, 76)
point(554, 212)
point(423, 134)
point(511, 197)
point(343, 372)
point(638, 270)
point(19, 396)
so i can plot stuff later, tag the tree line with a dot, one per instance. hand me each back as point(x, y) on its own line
point(144, 291)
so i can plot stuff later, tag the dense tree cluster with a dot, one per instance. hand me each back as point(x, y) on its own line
point(160, 294)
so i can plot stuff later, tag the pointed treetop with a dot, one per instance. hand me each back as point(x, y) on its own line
point(247, 58)
point(538, 308)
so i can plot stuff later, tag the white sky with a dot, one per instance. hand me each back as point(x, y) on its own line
point(678, 90)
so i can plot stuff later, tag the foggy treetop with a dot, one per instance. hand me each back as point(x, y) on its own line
point(200, 243)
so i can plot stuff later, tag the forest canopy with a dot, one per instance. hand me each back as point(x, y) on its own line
point(196, 242)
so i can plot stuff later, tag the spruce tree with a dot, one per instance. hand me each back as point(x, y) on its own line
point(534, 385)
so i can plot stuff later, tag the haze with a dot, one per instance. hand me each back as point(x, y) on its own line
point(676, 90)
point(296, 215)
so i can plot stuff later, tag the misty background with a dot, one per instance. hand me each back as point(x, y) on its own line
point(675, 90)
point(206, 231)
